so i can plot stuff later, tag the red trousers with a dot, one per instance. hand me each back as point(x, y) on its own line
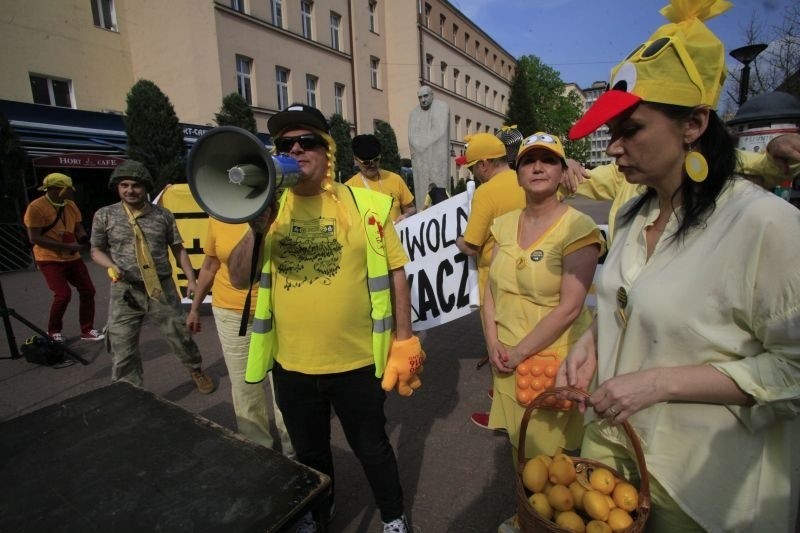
point(59, 276)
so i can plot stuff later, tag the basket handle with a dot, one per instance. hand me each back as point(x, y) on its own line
point(629, 431)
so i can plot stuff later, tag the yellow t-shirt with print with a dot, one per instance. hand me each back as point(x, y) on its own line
point(221, 238)
point(319, 283)
point(388, 183)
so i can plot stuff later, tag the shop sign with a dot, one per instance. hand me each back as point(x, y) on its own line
point(78, 161)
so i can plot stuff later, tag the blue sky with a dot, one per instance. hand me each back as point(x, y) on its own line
point(584, 39)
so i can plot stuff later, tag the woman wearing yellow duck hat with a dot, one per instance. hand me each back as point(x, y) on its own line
point(697, 338)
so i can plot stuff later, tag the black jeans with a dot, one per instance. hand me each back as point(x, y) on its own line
point(357, 398)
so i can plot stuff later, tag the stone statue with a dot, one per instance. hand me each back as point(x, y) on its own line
point(429, 140)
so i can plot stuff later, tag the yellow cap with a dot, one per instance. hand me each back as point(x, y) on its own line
point(542, 140)
point(56, 179)
point(482, 146)
point(682, 63)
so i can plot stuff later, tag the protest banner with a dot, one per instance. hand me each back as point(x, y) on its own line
point(443, 281)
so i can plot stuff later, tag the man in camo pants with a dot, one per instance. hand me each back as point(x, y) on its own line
point(132, 239)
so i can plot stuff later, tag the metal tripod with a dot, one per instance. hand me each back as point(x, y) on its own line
point(7, 314)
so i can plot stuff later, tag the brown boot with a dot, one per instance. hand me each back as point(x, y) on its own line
point(205, 385)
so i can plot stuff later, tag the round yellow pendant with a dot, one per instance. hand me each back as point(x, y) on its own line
point(696, 166)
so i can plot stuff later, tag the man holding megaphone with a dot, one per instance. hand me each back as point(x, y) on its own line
point(333, 312)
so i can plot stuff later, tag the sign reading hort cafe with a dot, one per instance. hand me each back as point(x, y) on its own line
point(78, 161)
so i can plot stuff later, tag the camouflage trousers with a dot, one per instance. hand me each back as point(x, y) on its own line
point(127, 310)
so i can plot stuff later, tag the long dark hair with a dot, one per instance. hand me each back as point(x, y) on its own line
point(697, 199)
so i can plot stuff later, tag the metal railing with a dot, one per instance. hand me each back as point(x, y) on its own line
point(15, 251)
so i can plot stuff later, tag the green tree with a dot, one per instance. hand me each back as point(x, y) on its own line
point(236, 112)
point(15, 170)
point(340, 131)
point(390, 155)
point(538, 103)
point(154, 134)
point(520, 101)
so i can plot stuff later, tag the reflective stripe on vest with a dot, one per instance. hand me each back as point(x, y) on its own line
point(374, 209)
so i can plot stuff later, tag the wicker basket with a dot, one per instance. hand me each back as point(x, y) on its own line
point(529, 520)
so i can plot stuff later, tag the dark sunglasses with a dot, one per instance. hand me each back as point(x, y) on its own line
point(306, 142)
point(369, 162)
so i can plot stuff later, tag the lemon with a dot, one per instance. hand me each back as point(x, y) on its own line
point(570, 520)
point(560, 498)
point(540, 504)
point(534, 475)
point(619, 520)
point(602, 480)
point(626, 496)
point(577, 491)
point(596, 526)
point(595, 505)
point(562, 472)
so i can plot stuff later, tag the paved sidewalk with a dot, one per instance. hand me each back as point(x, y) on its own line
point(456, 476)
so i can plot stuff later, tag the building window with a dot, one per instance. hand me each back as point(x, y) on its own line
point(486, 96)
point(456, 73)
point(502, 103)
point(494, 61)
point(466, 86)
point(466, 40)
point(51, 91)
point(443, 66)
point(477, 127)
point(458, 126)
point(276, 7)
point(494, 99)
point(477, 49)
point(374, 72)
point(486, 56)
point(428, 66)
point(338, 98)
point(427, 19)
point(373, 21)
point(477, 89)
point(442, 22)
point(455, 34)
point(244, 66)
point(238, 5)
point(305, 18)
point(469, 127)
point(336, 23)
point(311, 90)
point(104, 15)
point(282, 86)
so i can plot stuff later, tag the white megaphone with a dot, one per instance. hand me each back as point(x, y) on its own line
point(233, 176)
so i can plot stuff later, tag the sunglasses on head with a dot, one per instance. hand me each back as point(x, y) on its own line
point(369, 162)
point(306, 142)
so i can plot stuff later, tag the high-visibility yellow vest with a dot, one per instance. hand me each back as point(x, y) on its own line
point(374, 210)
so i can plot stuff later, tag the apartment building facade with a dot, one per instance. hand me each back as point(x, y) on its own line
point(598, 141)
point(364, 59)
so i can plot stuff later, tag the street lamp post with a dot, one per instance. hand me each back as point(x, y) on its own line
point(745, 55)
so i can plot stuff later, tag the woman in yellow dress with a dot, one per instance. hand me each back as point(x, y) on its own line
point(543, 264)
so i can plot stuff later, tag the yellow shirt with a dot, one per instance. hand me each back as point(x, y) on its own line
point(40, 214)
point(728, 295)
point(388, 183)
point(496, 197)
point(526, 287)
point(319, 283)
point(221, 238)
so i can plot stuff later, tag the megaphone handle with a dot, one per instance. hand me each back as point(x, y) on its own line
point(253, 276)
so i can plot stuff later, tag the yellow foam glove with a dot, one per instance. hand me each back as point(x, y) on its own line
point(404, 366)
point(113, 273)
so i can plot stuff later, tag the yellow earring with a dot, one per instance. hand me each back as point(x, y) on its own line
point(696, 166)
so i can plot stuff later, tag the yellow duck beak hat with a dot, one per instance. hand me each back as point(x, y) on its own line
point(682, 63)
point(543, 140)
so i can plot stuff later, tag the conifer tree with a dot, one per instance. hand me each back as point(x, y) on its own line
point(155, 137)
point(340, 131)
point(390, 155)
point(236, 112)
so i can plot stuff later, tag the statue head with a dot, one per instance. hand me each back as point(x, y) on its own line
point(425, 95)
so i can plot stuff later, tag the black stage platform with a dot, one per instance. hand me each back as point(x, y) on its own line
point(121, 459)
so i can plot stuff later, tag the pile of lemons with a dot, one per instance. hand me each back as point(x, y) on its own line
point(590, 501)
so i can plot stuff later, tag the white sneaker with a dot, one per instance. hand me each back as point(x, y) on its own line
point(306, 524)
point(398, 525)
